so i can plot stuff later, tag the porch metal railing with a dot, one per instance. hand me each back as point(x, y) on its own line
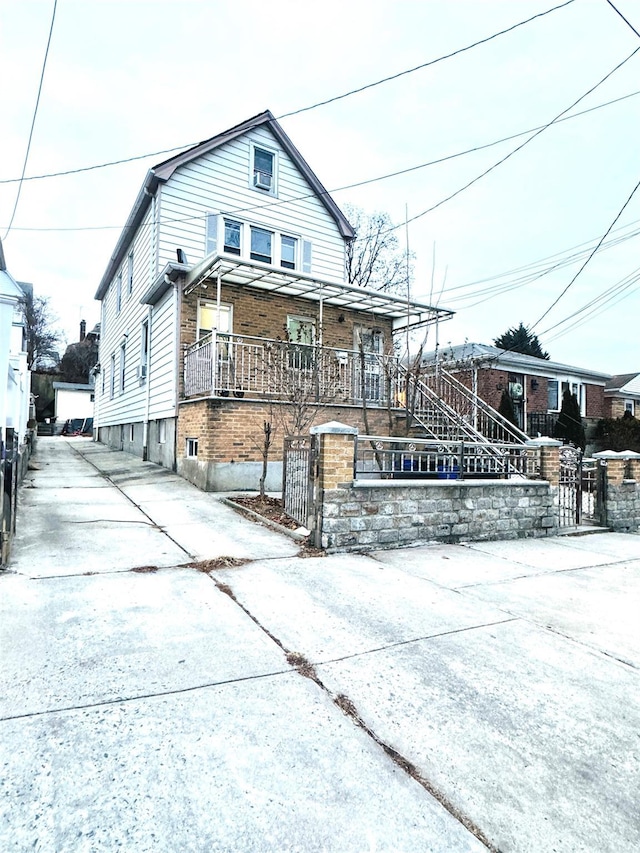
point(483, 418)
point(224, 365)
point(400, 458)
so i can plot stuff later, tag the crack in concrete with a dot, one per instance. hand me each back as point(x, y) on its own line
point(308, 670)
point(122, 700)
point(125, 495)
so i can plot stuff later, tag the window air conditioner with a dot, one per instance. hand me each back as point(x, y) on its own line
point(142, 371)
point(262, 180)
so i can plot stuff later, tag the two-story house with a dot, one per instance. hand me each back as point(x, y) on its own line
point(225, 306)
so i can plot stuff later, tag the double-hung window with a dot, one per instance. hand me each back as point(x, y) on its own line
point(552, 395)
point(264, 169)
point(261, 245)
point(232, 236)
point(288, 250)
point(123, 351)
point(112, 377)
point(119, 293)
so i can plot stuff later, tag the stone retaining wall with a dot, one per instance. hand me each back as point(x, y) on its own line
point(623, 506)
point(379, 514)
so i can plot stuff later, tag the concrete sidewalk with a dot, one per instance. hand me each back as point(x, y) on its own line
point(438, 698)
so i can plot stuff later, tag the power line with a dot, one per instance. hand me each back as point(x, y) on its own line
point(424, 64)
point(277, 203)
point(519, 147)
point(33, 120)
point(628, 23)
point(304, 109)
point(591, 254)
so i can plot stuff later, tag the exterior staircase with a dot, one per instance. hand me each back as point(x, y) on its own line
point(440, 407)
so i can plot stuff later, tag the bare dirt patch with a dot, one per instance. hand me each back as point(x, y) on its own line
point(267, 507)
point(207, 566)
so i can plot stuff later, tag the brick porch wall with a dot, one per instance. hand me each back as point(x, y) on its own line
point(264, 315)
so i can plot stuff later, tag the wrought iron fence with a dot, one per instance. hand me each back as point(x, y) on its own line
point(399, 458)
point(225, 365)
point(296, 476)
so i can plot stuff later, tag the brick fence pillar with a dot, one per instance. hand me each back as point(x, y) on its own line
point(549, 458)
point(335, 467)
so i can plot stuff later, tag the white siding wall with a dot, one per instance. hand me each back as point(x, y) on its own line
point(129, 406)
point(220, 182)
point(73, 404)
point(162, 357)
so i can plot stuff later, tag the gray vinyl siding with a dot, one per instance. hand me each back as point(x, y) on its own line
point(220, 182)
point(162, 357)
point(129, 406)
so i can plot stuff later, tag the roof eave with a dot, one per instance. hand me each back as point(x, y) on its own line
point(136, 216)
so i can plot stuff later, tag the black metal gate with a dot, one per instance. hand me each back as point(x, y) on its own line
point(297, 481)
point(580, 492)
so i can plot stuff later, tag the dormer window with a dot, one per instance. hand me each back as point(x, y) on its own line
point(264, 170)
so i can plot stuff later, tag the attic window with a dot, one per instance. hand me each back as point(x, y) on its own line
point(264, 170)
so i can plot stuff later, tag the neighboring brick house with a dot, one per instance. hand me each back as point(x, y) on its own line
point(621, 395)
point(225, 305)
point(535, 385)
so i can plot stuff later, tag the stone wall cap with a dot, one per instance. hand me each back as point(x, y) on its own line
point(543, 441)
point(333, 428)
point(617, 454)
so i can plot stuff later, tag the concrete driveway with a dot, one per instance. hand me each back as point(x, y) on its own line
point(439, 698)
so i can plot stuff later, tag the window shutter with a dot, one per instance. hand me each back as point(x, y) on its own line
point(306, 256)
point(211, 244)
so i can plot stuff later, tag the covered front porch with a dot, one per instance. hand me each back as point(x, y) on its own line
point(224, 365)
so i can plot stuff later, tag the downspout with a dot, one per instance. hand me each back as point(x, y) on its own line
point(147, 401)
point(176, 376)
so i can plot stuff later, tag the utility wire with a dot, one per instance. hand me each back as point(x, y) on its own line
point(306, 109)
point(628, 23)
point(519, 147)
point(33, 120)
point(591, 254)
point(277, 203)
point(424, 64)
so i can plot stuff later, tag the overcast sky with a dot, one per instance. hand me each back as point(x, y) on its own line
point(130, 78)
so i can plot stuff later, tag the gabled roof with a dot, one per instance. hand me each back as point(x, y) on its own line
point(163, 171)
point(484, 355)
point(624, 382)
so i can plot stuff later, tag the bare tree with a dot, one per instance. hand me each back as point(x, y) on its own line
point(374, 256)
point(42, 337)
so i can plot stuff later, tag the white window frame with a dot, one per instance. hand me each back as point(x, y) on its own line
point(296, 243)
point(223, 226)
point(225, 307)
point(112, 378)
point(558, 395)
point(123, 366)
point(162, 432)
point(119, 292)
point(130, 273)
point(629, 406)
point(272, 234)
point(144, 349)
point(253, 171)
point(191, 448)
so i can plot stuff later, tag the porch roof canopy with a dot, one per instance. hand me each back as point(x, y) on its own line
point(403, 313)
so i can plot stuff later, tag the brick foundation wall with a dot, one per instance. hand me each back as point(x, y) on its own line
point(378, 515)
point(232, 430)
